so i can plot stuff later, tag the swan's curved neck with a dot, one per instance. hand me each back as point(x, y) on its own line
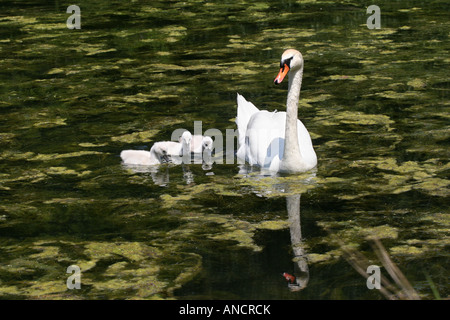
point(292, 158)
point(153, 155)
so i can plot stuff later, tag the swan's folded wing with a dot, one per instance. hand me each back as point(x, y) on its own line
point(245, 110)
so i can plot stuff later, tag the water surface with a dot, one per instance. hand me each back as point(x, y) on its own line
point(374, 101)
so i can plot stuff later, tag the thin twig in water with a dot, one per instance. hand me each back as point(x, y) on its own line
point(360, 263)
point(407, 291)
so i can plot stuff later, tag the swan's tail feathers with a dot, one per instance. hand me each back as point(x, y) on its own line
point(245, 110)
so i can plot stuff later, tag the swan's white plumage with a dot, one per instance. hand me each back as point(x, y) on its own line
point(160, 152)
point(200, 143)
point(207, 144)
point(262, 133)
point(245, 111)
point(263, 139)
point(138, 157)
point(156, 155)
point(179, 151)
point(180, 148)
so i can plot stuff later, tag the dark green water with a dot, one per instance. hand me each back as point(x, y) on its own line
point(376, 103)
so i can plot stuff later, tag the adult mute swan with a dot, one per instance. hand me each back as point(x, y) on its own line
point(157, 155)
point(277, 141)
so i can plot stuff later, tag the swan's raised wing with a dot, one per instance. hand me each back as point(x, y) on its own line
point(245, 110)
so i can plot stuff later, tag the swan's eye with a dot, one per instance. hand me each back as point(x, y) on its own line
point(286, 62)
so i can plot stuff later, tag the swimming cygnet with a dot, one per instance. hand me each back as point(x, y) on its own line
point(179, 152)
point(158, 154)
point(200, 143)
point(180, 148)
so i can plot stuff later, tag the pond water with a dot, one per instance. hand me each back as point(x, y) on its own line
point(375, 101)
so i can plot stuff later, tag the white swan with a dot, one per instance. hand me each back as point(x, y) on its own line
point(161, 152)
point(277, 141)
point(157, 155)
point(179, 151)
point(201, 143)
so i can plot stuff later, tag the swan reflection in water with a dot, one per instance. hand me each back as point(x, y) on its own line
point(298, 279)
point(291, 188)
point(301, 270)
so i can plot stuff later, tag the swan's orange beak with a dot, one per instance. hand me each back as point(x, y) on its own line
point(283, 72)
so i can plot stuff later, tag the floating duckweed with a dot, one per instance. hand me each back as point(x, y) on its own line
point(56, 71)
point(32, 176)
point(19, 19)
point(383, 31)
point(306, 102)
point(406, 250)
point(380, 232)
point(10, 290)
point(15, 155)
point(345, 77)
point(237, 69)
point(66, 171)
point(410, 9)
point(442, 219)
point(86, 265)
point(6, 136)
point(91, 145)
point(44, 26)
point(54, 156)
point(397, 184)
point(434, 186)
point(318, 98)
point(390, 94)
point(285, 33)
point(348, 235)
point(259, 6)
point(136, 137)
point(47, 252)
point(314, 258)
point(50, 123)
point(116, 268)
point(230, 228)
point(174, 31)
point(131, 268)
point(240, 44)
point(139, 98)
point(134, 251)
point(46, 289)
point(350, 117)
point(273, 225)
point(417, 83)
point(66, 201)
point(94, 49)
point(168, 201)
